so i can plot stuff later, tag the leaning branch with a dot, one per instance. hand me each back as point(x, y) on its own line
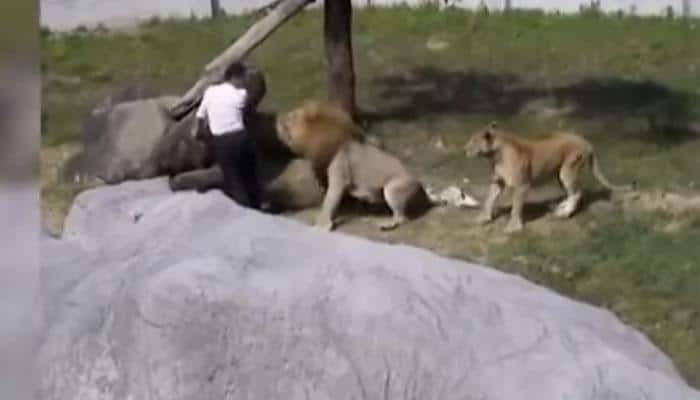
point(255, 35)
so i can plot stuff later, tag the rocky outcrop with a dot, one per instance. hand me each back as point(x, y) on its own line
point(155, 295)
point(131, 138)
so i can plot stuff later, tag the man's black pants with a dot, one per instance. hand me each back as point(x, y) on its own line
point(235, 154)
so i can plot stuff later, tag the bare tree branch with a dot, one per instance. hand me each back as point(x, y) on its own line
point(255, 35)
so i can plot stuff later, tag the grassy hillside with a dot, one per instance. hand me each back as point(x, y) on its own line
point(424, 77)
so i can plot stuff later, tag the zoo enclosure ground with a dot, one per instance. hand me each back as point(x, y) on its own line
point(425, 79)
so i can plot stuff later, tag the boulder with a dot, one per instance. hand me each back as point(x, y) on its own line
point(157, 295)
point(289, 184)
point(119, 142)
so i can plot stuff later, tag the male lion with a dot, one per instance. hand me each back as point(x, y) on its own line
point(349, 163)
point(320, 129)
point(521, 163)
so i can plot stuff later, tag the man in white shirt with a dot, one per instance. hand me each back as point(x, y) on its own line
point(222, 108)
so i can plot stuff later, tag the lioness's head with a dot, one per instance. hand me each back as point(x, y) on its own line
point(481, 143)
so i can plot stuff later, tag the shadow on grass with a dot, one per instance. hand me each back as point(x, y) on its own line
point(429, 91)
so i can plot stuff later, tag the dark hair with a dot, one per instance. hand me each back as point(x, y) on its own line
point(234, 72)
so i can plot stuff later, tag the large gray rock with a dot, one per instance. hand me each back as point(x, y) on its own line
point(123, 146)
point(154, 295)
point(290, 184)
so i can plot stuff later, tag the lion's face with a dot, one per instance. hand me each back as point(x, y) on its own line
point(287, 124)
point(281, 127)
point(480, 143)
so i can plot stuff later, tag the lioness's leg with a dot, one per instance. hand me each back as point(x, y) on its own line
point(337, 184)
point(516, 212)
point(397, 192)
point(495, 190)
point(568, 176)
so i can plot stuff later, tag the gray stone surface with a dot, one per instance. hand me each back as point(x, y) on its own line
point(119, 141)
point(154, 295)
point(289, 184)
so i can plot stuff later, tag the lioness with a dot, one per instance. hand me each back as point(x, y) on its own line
point(520, 164)
point(350, 164)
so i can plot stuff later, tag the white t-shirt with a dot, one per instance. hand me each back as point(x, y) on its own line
point(223, 105)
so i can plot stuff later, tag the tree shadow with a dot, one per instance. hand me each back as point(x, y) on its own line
point(429, 92)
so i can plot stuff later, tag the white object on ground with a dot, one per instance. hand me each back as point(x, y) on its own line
point(452, 195)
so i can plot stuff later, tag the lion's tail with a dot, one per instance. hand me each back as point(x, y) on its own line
point(603, 180)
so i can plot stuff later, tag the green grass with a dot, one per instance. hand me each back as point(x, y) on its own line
point(621, 73)
point(543, 51)
point(632, 266)
point(18, 30)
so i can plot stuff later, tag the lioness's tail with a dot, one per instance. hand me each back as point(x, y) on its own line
point(603, 180)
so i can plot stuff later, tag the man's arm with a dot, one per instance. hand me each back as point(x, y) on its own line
point(246, 108)
point(199, 126)
point(200, 129)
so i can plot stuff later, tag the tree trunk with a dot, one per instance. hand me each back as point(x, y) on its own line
point(255, 35)
point(215, 8)
point(337, 27)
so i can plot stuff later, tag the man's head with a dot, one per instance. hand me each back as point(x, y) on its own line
point(235, 74)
